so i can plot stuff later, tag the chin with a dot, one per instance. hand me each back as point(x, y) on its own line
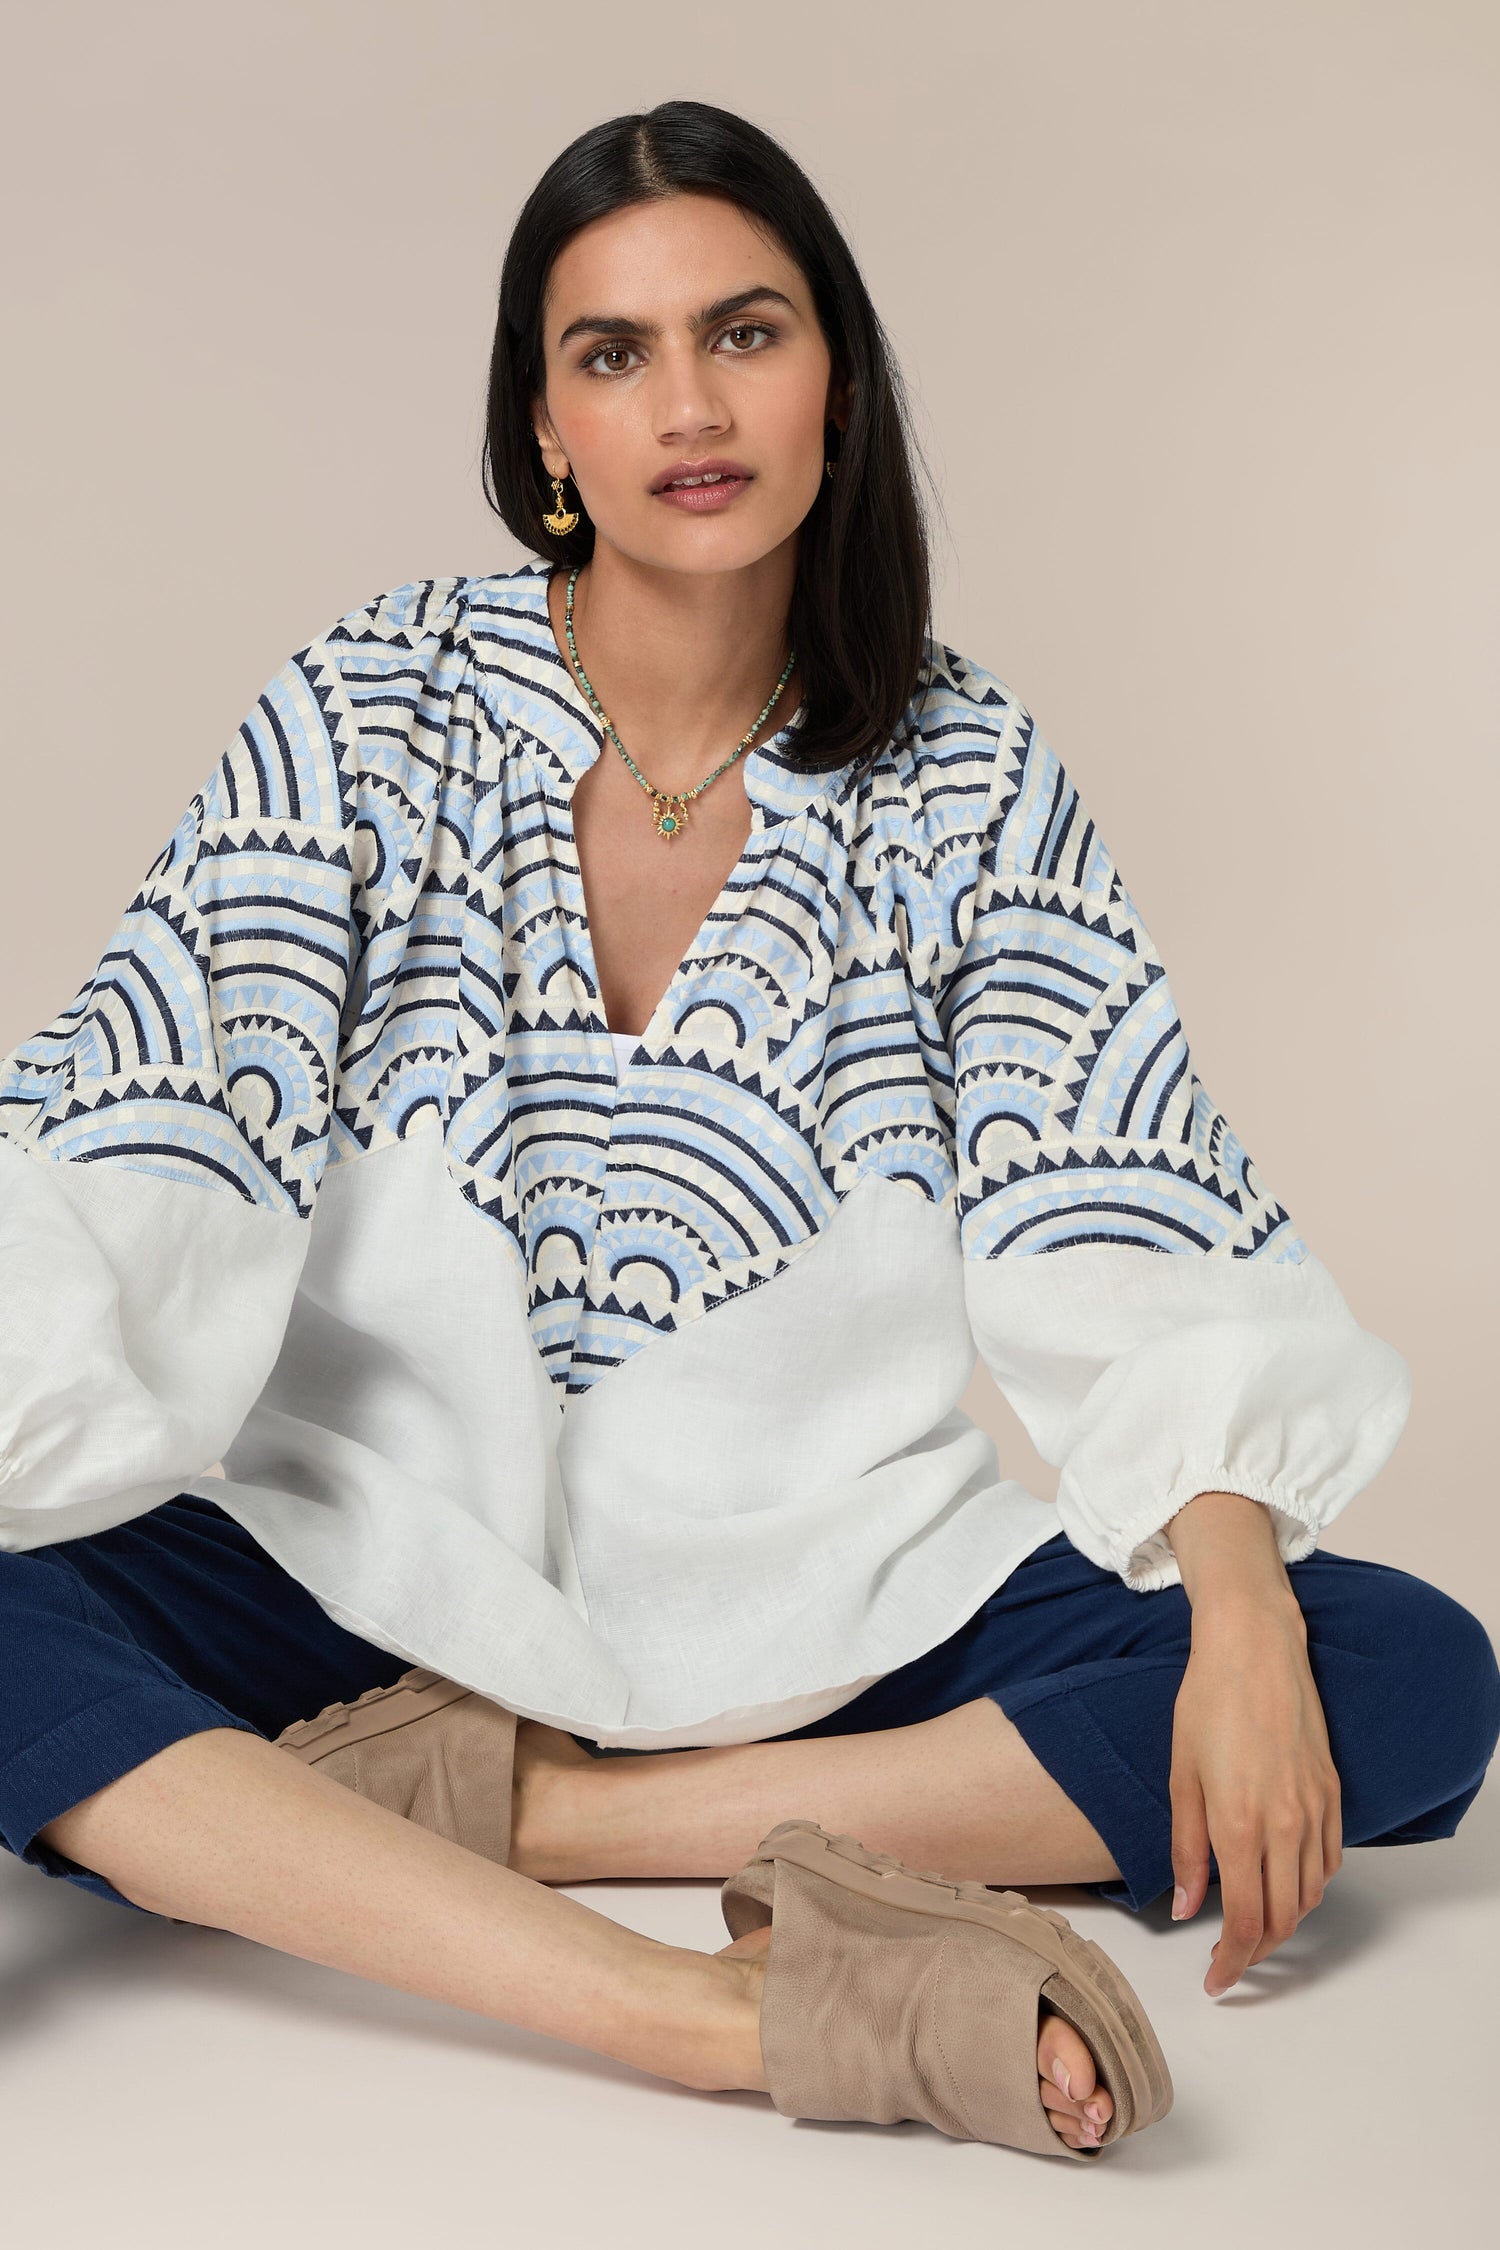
point(721, 545)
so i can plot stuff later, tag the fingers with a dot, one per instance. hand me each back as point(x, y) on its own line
point(1268, 1883)
point(1281, 1882)
point(1313, 1879)
point(1190, 1848)
point(1333, 1834)
point(1239, 1856)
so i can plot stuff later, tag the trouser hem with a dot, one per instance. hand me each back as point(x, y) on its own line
point(1061, 1733)
point(86, 1751)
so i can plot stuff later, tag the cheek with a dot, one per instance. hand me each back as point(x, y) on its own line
point(595, 429)
point(793, 427)
point(806, 444)
point(613, 455)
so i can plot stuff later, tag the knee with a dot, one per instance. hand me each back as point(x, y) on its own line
point(1442, 1676)
point(1475, 1688)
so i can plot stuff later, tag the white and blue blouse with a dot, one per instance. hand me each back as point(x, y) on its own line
point(618, 1378)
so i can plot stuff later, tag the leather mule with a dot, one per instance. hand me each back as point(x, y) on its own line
point(894, 1992)
point(437, 1753)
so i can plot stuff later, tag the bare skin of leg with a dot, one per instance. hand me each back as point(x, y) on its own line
point(221, 1828)
point(961, 1792)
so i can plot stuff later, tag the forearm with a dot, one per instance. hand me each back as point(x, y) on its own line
point(1226, 1550)
point(1253, 1783)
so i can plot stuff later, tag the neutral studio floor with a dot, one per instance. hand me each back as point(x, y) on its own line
point(185, 2089)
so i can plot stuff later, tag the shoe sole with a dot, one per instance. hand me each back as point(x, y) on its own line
point(1137, 2055)
point(377, 1711)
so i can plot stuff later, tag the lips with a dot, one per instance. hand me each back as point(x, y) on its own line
point(692, 473)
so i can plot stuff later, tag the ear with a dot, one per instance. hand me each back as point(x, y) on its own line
point(840, 401)
point(554, 459)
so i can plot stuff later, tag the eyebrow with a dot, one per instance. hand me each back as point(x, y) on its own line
point(621, 324)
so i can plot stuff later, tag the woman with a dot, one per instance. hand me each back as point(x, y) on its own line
point(607, 1043)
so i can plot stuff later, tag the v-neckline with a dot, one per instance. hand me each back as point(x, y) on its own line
point(694, 953)
point(732, 884)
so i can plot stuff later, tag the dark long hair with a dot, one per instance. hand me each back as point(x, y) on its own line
point(861, 603)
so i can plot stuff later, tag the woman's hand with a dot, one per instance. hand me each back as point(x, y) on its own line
point(1252, 1775)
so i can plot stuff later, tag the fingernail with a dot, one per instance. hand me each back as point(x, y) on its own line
point(1060, 2077)
point(1179, 1903)
point(1094, 2110)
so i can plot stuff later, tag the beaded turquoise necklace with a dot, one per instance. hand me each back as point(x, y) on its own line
point(668, 809)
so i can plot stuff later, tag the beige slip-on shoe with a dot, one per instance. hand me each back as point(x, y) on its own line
point(894, 1992)
point(437, 1753)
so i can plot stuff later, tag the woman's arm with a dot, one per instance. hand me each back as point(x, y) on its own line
point(1147, 1306)
point(1252, 1774)
point(1162, 1328)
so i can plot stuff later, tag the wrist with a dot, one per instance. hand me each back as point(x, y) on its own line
point(1227, 1555)
point(1262, 1615)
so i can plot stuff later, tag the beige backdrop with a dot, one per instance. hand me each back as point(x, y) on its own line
point(1197, 301)
point(1197, 304)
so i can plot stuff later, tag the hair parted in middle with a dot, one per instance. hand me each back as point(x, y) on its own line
point(861, 603)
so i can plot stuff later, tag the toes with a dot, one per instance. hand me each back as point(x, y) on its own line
point(1067, 2120)
point(1063, 2056)
point(1075, 2101)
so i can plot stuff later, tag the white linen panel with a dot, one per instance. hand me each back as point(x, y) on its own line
point(1149, 1310)
point(162, 1139)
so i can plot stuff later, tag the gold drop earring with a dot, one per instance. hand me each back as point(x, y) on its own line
point(562, 520)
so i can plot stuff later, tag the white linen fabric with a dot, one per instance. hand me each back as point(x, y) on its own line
point(618, 1378)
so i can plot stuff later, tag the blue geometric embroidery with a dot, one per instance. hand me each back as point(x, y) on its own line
point(370, 923)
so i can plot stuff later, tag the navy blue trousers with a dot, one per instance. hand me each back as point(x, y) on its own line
point(115, 1645)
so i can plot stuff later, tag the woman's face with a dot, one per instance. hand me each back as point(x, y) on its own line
point(643, 375)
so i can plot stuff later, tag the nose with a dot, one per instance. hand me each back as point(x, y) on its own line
point(689, 404)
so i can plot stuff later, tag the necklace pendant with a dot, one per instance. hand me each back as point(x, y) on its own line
point(670, 814)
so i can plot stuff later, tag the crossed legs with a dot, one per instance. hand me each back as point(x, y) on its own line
point(224, 1829)
point(962, 1792)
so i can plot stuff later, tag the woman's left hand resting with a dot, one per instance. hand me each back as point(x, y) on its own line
point(1252, 1775)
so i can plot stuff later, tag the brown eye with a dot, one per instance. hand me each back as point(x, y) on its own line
point(590, 364)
